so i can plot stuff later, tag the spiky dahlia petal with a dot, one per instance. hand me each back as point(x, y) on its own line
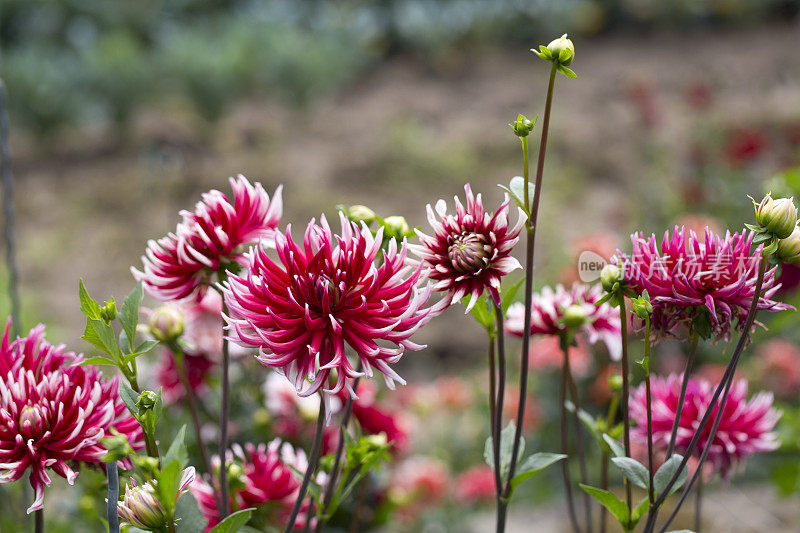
point(180, 265)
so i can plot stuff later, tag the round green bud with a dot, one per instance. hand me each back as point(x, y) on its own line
point(377, 441)
point(562, 50)
point(615, 382)
point(610, 276)
point(145, 463)
point(522, 126)
point(166, 323)
point(779, 217)
point(789, 248)
point(109, 311)
point(118, 447)
point(574, 316)
point(147, 401)
point(396, 226)
point(360, 213)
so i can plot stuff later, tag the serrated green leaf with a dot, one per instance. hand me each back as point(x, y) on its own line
point(89, 306)
point(233, 522)
point(666, 471)
point(617, 450)
point(534, 464)
point(97, 360)
point(129, 314)
point(633, 470)
point(101, 335)
point(177, 450)
point(615, 506)
point(506, 449)
point(189, 517)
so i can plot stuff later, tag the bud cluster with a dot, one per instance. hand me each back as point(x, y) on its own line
point(776, 227)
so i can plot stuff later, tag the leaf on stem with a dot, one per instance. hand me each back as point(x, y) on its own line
point(506, 449)
point(129, 314)
point(177, 450)
point(664, 474)
point(607, 499)
point(533, 465)
point(233, 522)
point(516, 190)
point(632, 469)
point(89, 306)
point(616, 448)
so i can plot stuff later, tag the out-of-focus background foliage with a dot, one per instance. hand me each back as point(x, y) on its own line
point(123, 112)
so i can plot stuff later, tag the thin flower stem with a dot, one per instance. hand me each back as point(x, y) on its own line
point(38, 521)
point(333, 478)
point(651, 495)
point(623, 320)
point(686, 372)
point(698, 506)
point(313, 461)
point(502, 504)
point(573, 390)
point(724, 383)
point(606, 458)
point(573, 518)
point(492, 386)
point(113, 497)
point(223, 428)
point(192, 401)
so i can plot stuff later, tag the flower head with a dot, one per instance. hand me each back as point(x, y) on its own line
point(302, 311)
point(684, 275)
point(180, 265)
point(470, 250)
point(549, 309)
point(141, 508)
point(746, 427)
point(778, 217)
point(54, 414)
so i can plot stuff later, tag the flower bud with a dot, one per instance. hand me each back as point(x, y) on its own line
point(118, 447)
point(360, 213)
point(141, 508)
point(147, 401)
point(396, 226)
point(522, 126)
point(610, 276)
point(166, 323)
point(789, 248)
point(778, 217)
point(615, 382)
point(574, 316)
point(145, 463)
point(562, 50)
point(109, 311)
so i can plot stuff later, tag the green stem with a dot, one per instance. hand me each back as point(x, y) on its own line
point(313, 461)
point(565, 449)
point(606, 457)
point(502, 503)
point(623, 318)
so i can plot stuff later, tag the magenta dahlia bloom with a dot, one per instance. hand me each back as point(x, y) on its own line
point(180, 266)
point(685, 274)
point(746, 427)
point(266, 477)
point(547, 312)
point(469, 250)
point(52, 414)
point(322, 296)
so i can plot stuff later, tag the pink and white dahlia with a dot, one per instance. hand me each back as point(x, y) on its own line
point(685, 274)
point(53, 415)
point(302, 311)
point(141, 507)
point(746, 427)
point(470, 250)
point(547, 313)
point(266, 478)
point(180, 266)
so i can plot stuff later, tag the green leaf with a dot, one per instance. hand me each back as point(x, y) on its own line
point(608, 500)
point(533, 465)
point(633, 470)
point(616, 448)
point(665, 473)
point(480, 311)
point(129, 313)
point(567, 72)
point(142, 349)
point(639, 511)
point(507, 297)
point(516, 189)
point(130, 398)
point(188, 515)
point(89, 306)
point(177, 450)
point(101, 335)
point(97, 360)
point(169, 479)
point(233, 522)
point(506, 448)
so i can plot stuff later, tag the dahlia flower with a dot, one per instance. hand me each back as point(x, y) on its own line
point(53, 414)
point(686, 274)
point(470, 250)
point(548, 308)
point(141, 508)
point(328, 293)
point(180, 265)
point(266, 477)
point(746, 427)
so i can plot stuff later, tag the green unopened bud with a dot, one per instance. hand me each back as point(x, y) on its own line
point(610, 277)
point(778, 217)
point(118, 447)
point(560, 50)
point(396, 226)
point(377, 441)
point(166, 323)
point(109, 311)
point(147, 401)
point(789, 248)
point(145, 463)
point(360, 213)
point(574, 316)
point(522, 126)
point(615, 382)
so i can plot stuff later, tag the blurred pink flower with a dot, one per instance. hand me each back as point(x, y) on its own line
point(548, 310)
point(475, 485)
point(53, 413)
point(198, 370)
point(469, 250)
point(685, 274)
point(746, 426)
point(545, 353)
point(603, 243)
point(417, 483)
point(301, 312)
point(180, 265)
point(777, 364)
point(453, 393)
point(744, 145)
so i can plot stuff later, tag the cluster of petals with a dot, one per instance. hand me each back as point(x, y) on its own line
point(141, 507)
point(547, 313)
point(180, 265)
point(323, 295)
point(686, 273)
point(746, 427)
point(53, 414)
point(266, 477)
point(469, 251)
